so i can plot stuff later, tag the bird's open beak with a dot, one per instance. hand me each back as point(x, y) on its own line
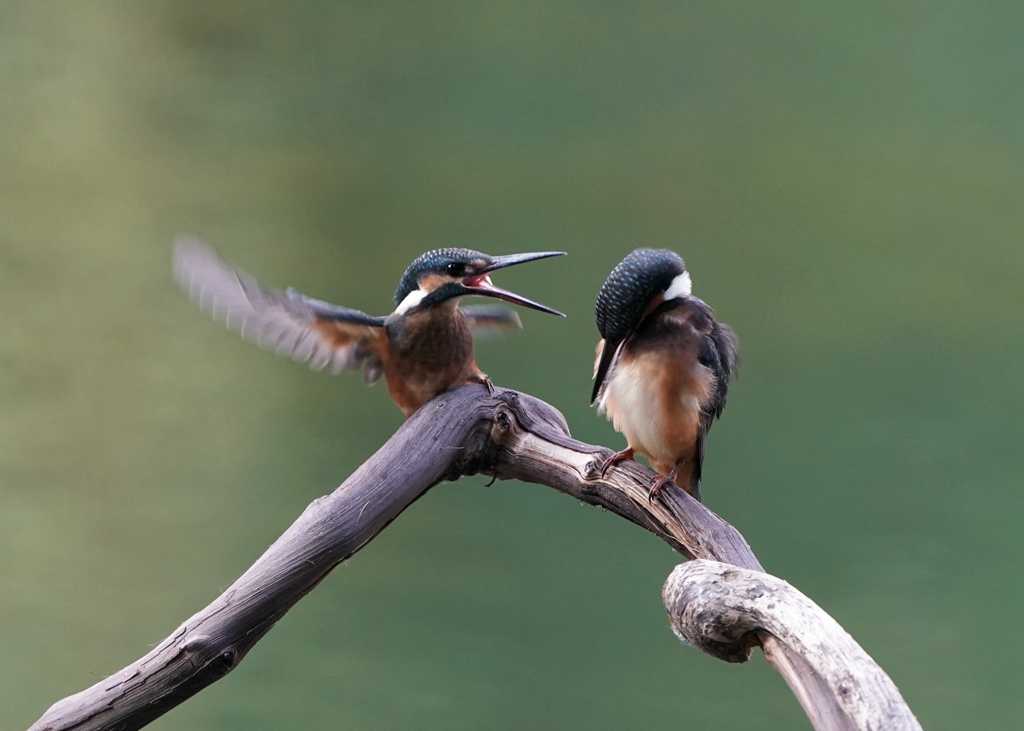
point(481, 284)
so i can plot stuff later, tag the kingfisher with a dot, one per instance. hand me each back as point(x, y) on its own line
point(423, 348)
point(663, 365)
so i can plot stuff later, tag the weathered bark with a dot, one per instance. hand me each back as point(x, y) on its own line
point(726, 611)
point(462, 432)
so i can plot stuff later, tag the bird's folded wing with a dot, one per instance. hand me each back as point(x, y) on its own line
point(720, 353)
point(491, 322)
point(289, 323)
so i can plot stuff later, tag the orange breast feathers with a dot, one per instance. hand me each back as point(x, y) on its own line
point(429, 352)
point(655, 399)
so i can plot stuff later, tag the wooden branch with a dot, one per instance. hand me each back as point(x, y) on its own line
point(726, 611)
point(536, 447)
point(462, 432)
point(446, 438)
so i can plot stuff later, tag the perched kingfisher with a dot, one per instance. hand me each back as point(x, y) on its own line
point(663, 365)
point(423, 348)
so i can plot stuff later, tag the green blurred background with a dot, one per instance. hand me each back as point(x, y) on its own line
point(845, 181)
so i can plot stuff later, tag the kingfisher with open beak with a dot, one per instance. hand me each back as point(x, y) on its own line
point(663, 365)
point(423, 348)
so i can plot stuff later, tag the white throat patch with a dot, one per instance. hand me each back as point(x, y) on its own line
point(411, 300)
point(681, 286)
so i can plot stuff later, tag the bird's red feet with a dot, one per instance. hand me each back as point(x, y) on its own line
point(622, 456)
point(657, 485)
point(485, 382)
point(664, 480)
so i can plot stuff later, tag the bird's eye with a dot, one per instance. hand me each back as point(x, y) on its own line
point(455, 269)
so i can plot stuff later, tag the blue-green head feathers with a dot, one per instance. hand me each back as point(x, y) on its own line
point(452, 262)
point(631, 287)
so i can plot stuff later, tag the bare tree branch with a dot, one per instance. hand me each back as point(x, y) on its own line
point(461, 432)
point(726, 611)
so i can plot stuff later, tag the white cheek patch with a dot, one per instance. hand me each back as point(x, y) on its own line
point(681, 286)
point(411, 300)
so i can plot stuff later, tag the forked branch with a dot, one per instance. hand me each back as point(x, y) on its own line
point(462, 432)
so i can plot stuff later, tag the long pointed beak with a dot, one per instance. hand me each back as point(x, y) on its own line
point(500, 262)
point(481, 283)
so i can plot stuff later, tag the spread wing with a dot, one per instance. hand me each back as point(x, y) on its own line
point(288, 323)
point(491, 322)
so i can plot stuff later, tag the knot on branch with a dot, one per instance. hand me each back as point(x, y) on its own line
point(478, 454)
point(224, 663)
point(705, 604)
point(196, 643)
point(204, 651)
point(478, 450)
point(534, 415)
point(505, 414)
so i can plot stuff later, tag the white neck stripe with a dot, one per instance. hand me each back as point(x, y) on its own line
point(411, 300)
point(681, 286)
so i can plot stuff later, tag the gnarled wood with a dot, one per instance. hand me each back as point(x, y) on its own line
point(468, 430)
point(726, 611)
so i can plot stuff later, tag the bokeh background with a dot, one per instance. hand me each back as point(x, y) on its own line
point(846, 182)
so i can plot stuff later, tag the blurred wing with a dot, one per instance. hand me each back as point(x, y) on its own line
point(288, 323)
point(491, 322)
